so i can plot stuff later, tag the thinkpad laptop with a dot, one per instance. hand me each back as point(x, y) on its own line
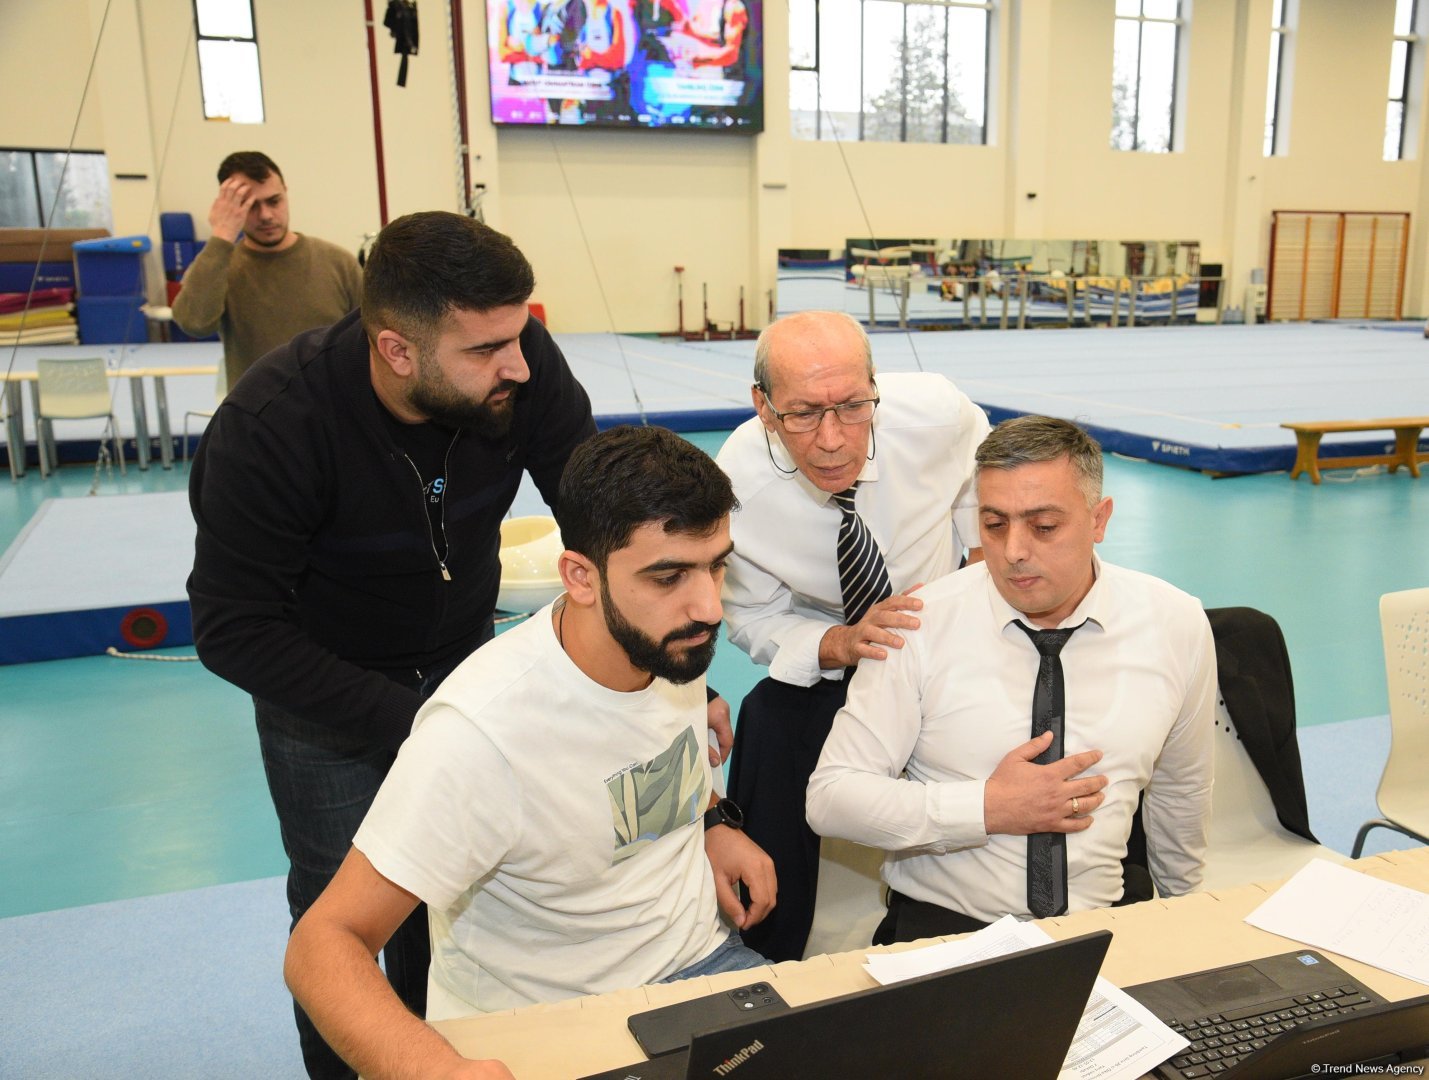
point(1012, 1015)
point(1287, 1016)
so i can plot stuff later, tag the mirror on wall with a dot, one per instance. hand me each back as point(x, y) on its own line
point(1000, 282)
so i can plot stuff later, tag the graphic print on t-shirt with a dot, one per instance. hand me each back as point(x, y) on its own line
point(652, 800)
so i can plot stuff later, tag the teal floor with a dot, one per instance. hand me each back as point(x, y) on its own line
point(123, 778)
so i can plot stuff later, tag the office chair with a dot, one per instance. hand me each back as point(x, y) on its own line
point(73, 388)
point(1403, 796)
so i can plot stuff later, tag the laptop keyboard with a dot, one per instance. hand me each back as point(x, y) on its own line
point(1221, 1040)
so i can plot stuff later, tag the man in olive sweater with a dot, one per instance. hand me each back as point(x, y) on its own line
point(265, 289)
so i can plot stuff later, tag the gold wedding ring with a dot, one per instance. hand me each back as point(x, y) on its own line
point(1076, 806)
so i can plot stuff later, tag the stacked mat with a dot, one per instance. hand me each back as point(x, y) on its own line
point(41, 317)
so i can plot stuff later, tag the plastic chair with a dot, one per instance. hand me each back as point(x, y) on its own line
point(1403, 796)
point(73, 388)
point(1246, 841)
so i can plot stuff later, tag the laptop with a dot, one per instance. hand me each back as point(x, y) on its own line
point(1011, 1015)
point(1293, 1015)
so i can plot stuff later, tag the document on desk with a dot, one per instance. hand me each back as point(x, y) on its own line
point(1118, 1039)
point(1333, 907)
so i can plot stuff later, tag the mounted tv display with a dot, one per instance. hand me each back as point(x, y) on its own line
point(669, 64)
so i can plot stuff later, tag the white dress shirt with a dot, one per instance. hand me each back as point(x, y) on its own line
point(917, 497)
point(908, 757)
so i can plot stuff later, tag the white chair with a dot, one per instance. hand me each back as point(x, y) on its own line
point(220, 391)
point(73, 388)
point(850, 903)
point(1246, 840)
point(1403, 795)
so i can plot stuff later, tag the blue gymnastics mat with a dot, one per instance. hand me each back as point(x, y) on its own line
point(1208, 397)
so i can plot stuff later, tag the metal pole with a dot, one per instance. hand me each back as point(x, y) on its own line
point(141, 421)
point(376, 114)
point(705, 288)
point(1116, 303)
point(1131, 301)
point(1071, 300)
point(1175, 295)
point(982, 301)
point(1022, 301)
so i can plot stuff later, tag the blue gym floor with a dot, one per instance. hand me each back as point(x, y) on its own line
point(135, 785)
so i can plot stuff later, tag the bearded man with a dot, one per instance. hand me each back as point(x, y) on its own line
point(348, 496)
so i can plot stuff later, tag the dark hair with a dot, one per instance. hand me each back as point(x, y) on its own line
point(423, 266)
point(629, 476)
point(1024, 440)
point(253, 164)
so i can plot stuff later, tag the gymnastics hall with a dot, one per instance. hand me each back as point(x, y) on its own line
point(1235, 251)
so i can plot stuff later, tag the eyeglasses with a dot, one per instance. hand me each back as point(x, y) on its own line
point(851, 413)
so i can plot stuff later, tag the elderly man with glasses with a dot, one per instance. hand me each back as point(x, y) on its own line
point(853, 492)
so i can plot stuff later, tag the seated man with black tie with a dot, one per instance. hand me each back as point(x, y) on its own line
point(930, 758)
point(852, 493)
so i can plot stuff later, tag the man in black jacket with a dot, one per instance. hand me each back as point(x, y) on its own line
point(348, 495)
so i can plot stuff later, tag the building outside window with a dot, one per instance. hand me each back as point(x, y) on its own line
point(890, 70)
point(1147, 66)
point(229, 76)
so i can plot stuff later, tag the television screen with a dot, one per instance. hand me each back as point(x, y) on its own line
point(672, 64)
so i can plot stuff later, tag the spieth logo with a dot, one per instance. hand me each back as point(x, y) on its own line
point(1170, 448)
point(738, 1059)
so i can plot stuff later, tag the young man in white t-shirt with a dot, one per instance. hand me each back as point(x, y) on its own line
point(553, 804)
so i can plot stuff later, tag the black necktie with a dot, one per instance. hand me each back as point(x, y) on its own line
point(862, 574)
point(1047, 852)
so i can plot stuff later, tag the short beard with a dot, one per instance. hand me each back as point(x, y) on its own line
point(654, 657)
point(266, 243)
point(433, 396)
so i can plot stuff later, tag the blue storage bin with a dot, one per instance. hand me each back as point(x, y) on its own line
point(176, 227)
point(111, 320)
point(17, 277)
point(113, 266)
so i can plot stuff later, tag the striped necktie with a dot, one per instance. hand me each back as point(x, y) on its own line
point(862, 574)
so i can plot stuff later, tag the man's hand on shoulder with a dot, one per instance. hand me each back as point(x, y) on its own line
point(734, 857)
point(1022, 797)
point(874, 634)
point(230, 209)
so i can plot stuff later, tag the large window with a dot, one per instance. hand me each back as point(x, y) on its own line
point(1146, 67)
point(889, 70)
point(1283, 17)
point(228, 61)
point(1403, 56)
point(38, 189)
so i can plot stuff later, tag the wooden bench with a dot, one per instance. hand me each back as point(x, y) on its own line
point(1406, 445)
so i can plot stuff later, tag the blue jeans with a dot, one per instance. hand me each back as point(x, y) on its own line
point(732, 955)
point(322, 785)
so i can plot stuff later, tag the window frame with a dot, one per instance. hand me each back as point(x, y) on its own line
point(1176, 119)
point(200, 37)
point(1276, 142)
point(42, 210)
point(1409, 82)
point(990, 10)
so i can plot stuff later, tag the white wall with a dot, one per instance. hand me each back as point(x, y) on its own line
point(606, 216)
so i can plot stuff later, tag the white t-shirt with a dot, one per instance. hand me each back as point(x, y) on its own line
point(917, 497)
point(553, 827)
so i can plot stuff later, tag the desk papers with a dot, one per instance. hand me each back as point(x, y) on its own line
point(1118, 1039)
point(1333, 907)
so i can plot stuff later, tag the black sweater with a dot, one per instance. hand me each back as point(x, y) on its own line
point(314, 567)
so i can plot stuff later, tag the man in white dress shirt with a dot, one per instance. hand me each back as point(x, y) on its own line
point(904, 445)
point(930, 759)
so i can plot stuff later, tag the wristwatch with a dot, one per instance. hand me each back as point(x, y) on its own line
point(724, 812)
